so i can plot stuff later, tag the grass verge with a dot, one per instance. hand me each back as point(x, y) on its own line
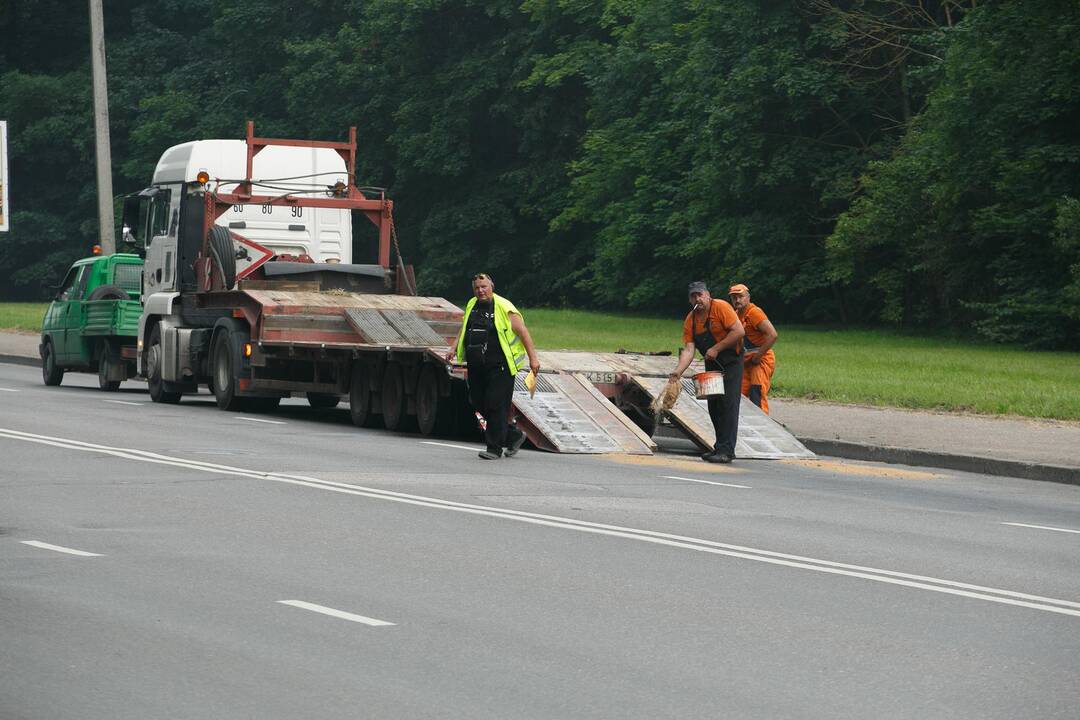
point(22, 317)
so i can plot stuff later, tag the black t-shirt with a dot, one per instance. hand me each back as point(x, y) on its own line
point(481, 341)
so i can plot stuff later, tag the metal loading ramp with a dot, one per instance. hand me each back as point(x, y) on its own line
point(567, 414)
point(760, 437)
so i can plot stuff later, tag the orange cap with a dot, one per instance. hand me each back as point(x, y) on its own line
point(738, 289)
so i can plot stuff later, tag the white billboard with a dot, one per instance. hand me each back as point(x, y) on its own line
point(5, 209)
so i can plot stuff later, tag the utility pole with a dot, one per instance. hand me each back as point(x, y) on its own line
point(101, 129)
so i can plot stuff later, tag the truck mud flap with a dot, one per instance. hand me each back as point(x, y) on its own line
point(568, 415)
point(760, 437)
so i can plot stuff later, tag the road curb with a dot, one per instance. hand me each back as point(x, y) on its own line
point(947, 461)
point(20, 360)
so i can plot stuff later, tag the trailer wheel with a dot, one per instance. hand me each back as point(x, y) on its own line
point(223, 254)
point(224, 374)
point(393, 397)
point(51, 373)
point(323, 401)
point(154, 382)
point(360, 409)
point(105, 362)
point(434, 413)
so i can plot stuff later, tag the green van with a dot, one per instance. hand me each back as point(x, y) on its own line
point(93, 321)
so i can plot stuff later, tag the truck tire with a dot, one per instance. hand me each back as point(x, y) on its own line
point(51, 373)
point(223, 255)
point(108, 292)
point(105, 360)
point(223, 369)
point(433, 411)
point(393, 397)
point(363, 414)
point(322, 401)
point(154, 381)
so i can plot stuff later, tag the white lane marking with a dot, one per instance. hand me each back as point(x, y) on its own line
point(123, 402)
point(8, 390)
point(58, 548)
point(1042, 527)
point(922, 582)
point(336, 613)
point(262, 420)
point(459, 447)
point(707, 482)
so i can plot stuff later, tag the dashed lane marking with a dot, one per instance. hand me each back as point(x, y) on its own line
point(262, 420)
point(123, 402)
point(340, 614)
point(59, 548)
point(1042, 527)
point(706, 482)
point(459, 447)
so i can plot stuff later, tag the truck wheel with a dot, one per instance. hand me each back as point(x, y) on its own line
point(323, 401)
point(434, 413)
point(154, 383)
point(223, 254)
point(222, 362)
point(393, 397)
point(363, 415)
point(51, 373)
point(105, 362)
point(108, 292)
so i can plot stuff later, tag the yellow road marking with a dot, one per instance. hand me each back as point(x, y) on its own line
point(849, 468)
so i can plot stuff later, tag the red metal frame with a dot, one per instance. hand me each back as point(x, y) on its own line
point(378, 211)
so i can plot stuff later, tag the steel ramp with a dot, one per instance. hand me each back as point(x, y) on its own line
point(760, 437)
point(568, 415)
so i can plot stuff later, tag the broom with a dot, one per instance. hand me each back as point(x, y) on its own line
point(667, 397)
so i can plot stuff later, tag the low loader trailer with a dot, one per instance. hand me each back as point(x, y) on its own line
point(249, 289)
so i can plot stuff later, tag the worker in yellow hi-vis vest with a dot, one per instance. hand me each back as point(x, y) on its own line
point(494, 343)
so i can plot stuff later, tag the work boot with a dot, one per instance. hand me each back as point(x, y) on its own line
point(718, 457)
point(515, 444)
point(490, 454)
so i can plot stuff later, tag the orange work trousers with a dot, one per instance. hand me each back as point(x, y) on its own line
point(759, 374)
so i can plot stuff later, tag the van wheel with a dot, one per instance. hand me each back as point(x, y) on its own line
point(51, 373)
point(105, 363)
point(154, 383)
point(323, 401)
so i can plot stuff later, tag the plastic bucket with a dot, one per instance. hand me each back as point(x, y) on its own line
point(709, 383)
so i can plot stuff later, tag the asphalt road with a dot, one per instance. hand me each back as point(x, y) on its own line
point(292, 566)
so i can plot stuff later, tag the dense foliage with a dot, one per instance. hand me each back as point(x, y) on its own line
point(864, 161)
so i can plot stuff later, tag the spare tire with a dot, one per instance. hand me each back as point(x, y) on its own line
point(224, 255)
point(108, 292)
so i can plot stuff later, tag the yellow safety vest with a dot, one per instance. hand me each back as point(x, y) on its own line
point(512, 347)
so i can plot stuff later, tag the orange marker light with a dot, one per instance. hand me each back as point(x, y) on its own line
point(247, 350)
point(96, 250)
point(203, 177)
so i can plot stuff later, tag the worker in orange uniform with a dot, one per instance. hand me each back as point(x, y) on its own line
point(758, 358)
point(713, 329)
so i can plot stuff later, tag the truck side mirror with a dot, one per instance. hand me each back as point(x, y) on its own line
point(130, 220)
